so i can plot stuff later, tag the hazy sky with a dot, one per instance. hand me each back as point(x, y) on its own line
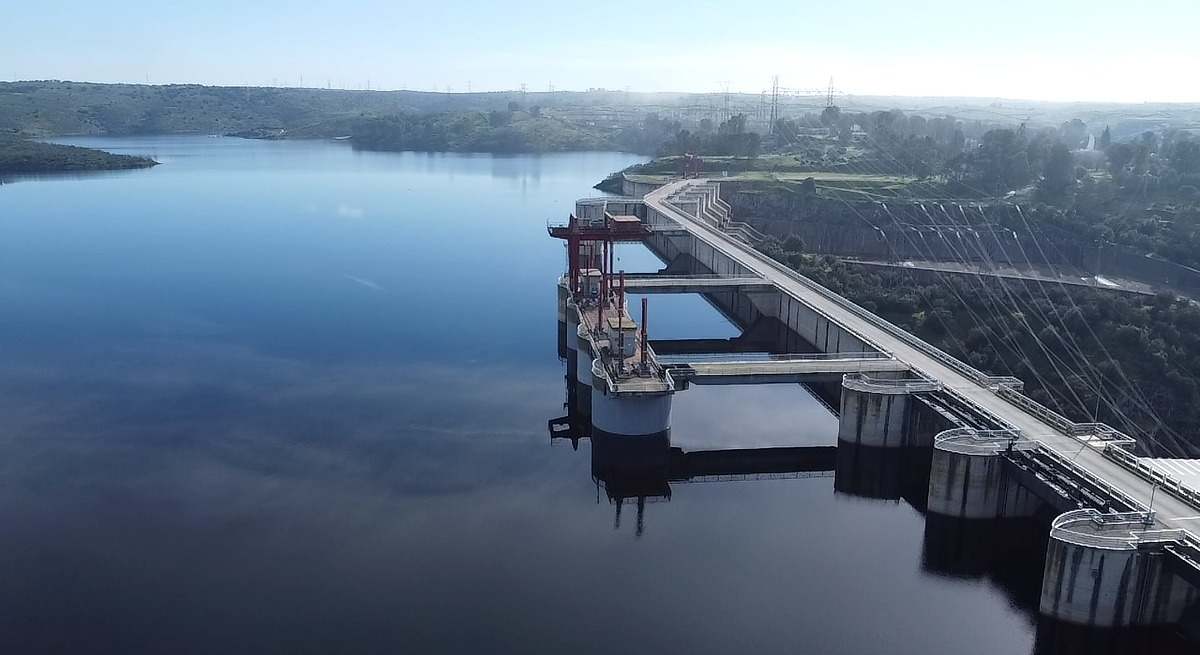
point(1046, 49)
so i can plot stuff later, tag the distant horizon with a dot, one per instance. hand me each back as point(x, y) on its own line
point(815, 93)
point(1064, 51)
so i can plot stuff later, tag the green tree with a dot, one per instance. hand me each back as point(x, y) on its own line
point(1073, 133)
point(1058, 174)
point(1120, 155)
point(1185, 157)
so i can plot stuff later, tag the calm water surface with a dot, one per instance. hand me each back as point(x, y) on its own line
point(286, 397)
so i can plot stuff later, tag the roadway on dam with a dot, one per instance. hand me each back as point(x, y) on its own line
point(1170, 511)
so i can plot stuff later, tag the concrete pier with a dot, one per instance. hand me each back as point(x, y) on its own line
point(876, 411)
point(628, 414)
point(1110, 570)
point(583, 357)
point(969, 479)
point(572, 326)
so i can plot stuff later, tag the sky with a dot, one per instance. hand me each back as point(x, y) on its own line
point(1103, 50)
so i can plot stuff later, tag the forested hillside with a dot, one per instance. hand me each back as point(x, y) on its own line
point(1130, 361)
point(18, 156)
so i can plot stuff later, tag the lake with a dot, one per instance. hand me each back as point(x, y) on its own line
point(286, 397)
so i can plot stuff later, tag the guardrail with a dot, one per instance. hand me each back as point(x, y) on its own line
point(984, 442)
point(599, 370)
point(1168, 483)
point(1107, 487)
point(866, 383)
point(689, 276)
point(596, 200)
point(997, 382)
point(1060, 529)
point(1007, 435)
point(752, 358)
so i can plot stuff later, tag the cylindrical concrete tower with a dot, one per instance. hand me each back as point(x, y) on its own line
point(874, 414)
point(628, 413)
point(968, 479)
point(1109, 570)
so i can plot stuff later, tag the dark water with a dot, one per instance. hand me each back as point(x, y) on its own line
point(286, 397)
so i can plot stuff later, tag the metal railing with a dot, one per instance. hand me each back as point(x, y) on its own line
point(776, 357)
point(1168, 483)
point(689, 276)
point(867, 383)
point(1066, 463)
point(760, 357)
point(1003, 435)
point(997, 382)
point(1121, 538)
point(973, 441)
point(611, 385)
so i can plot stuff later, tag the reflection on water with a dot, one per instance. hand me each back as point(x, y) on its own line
point(287, 397)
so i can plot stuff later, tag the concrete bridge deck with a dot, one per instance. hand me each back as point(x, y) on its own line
point(1007, 407)
point(658, 283)
point(785, 370)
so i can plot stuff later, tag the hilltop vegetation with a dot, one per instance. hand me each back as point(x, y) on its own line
point(1079, 183)
point(48, 108)
point(649, 123)
point(506, 131)
point(18, 155)
point(382, 120)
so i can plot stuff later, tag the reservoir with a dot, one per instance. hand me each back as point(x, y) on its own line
point(289, 397)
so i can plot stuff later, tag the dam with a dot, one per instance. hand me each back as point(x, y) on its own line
point(1123, 543)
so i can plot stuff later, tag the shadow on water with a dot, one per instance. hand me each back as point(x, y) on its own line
point(1058, 638)
point(13, 178)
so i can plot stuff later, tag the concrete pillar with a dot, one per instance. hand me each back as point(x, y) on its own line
point(629, 414)
point(1100, 572)
point(969, 479)
point(875, 418)
point(572, 321)
point(564, 297)
point(583, 356)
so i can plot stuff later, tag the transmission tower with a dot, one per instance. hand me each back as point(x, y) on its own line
point(725, 108)
point(829, 98)
point(774, 103)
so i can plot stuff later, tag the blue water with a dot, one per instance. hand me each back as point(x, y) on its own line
point(285, 397)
